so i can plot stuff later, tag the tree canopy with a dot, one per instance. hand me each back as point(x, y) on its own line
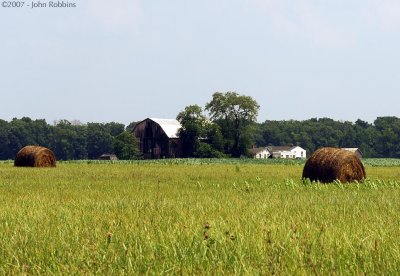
point(198, 134)
point(68, 140)
point(234, 114)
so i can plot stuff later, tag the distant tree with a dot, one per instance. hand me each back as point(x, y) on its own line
point(69, 141)
point(193, 128)
point(234, 114)
point(205, 150)
point(76, 123)
point(40, 131)
point(114, 128)
point(126, 146)
point(362, 124)
point(215, 138)
point(5, 152)
point(61, 143)
point(131, 126)
point(20, 135)
point(387, 136)
point(99, 140)
point(200, 137)
point(80, 143)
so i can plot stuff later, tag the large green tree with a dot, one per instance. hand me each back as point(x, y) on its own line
point(69, 141)
point(5, 151)
point(200, 137)
point(99, 140)
point(235, 115)
point(126, 146)
point(388, 136)
point(193, 128)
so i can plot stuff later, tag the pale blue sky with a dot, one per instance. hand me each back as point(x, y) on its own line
point(125, 60)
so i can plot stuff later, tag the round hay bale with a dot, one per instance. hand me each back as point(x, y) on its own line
point(329, 164)
point(35, 156)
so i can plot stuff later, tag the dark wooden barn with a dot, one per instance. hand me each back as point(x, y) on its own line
point(159, 138)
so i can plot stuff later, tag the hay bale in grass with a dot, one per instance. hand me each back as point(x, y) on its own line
point(330, 164)
point(35, 156)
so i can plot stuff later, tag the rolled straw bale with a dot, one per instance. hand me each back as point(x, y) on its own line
point(35, 156)
point(329, 164)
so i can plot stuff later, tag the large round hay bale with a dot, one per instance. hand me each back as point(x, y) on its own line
point(329, 164)
point(35, 156)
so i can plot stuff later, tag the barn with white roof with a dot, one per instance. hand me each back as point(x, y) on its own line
point(159, 138)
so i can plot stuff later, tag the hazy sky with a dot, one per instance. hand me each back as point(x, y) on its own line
point(125, 60)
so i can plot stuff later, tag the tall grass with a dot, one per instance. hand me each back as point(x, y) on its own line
point(148, 217)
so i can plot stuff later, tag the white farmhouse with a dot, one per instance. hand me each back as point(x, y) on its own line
point(278, 152)
point(287, 152)
point(260, 153)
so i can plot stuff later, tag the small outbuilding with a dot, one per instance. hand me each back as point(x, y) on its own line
point(356, 151)
point(108, 156)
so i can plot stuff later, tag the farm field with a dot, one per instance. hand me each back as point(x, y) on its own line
point(197, 217)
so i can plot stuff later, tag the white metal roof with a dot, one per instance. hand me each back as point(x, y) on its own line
point(170, 126)
point(350, 149)
point(353, 150)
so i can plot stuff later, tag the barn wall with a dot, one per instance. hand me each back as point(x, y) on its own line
point(154, 143)
point(175, 148)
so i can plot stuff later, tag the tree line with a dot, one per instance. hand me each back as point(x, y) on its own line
point(380, 139)
point(231, 129)
point(228, 130)
point(68, 140)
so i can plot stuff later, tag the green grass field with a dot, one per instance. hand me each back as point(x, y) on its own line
point(201, 217)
